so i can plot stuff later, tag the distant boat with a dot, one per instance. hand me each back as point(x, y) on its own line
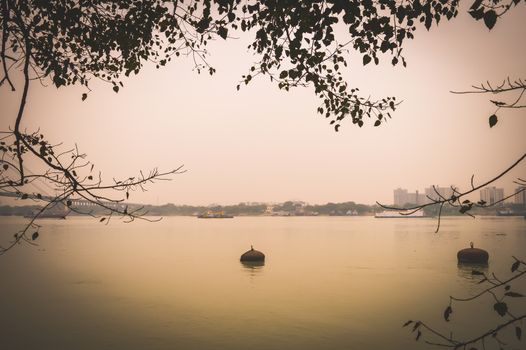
point(401, 214)
point(214, 215)
point(509, 212)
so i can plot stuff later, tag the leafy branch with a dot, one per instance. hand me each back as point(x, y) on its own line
point(457, 199)
point(517, 86)
point(71, 179)
point(499, 290)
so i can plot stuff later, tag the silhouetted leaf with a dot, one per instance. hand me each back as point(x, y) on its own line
point(418, 335)
point(476, 4)
point(518, 332)
point(377, 123)
point(417, 324)
point(68, 203)
point(498, 103)
point(223, 32)
point(490, 18)
point(447, 313)
point(116, 88)
point(492, 120)
point(407, 323)
point(102, 219)
point(515, 266)
point(90, 177)
point(501, 308)
point(84, 96)
point(477, 14)
point(34, 236)
point(428, 22)
point(464, 209)
point(366, 59)
point(5, 166)
point(514, 295)
point(24, 196)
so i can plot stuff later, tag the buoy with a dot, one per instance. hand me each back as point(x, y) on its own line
point(253, 255)
point(473, 255)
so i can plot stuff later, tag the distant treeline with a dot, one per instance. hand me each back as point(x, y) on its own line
point(286, 208)
point(190, 210)
point(6, 210)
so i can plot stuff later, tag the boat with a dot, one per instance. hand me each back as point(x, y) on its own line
point(510, 212)
point(214, 215)
point(400, 214)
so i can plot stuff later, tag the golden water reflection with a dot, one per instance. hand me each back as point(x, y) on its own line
point(331, 283)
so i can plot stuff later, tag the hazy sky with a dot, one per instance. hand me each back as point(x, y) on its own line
point(263, 144)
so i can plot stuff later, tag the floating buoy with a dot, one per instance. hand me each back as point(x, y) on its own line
point(473, 255)
point(253, 255)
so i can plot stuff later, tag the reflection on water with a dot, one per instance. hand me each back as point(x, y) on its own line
point(253, 268)
point(333, 282)
point(465, 270)
point(253, 265)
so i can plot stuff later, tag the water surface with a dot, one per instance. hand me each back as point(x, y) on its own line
point(327, 283)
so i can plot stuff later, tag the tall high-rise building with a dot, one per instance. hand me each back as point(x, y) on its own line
point(520, 195)
point(438, 193)
point(491, 195)
point(402, 197)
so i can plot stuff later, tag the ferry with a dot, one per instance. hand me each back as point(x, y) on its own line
point(510, 212)
point(400, 214)
point(214, 215)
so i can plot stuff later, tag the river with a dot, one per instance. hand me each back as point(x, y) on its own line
point(327, 283)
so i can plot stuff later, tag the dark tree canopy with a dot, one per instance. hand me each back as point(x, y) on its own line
point(74, 41)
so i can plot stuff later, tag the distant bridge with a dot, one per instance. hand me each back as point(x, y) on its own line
point(76, 203)
point(35, 191)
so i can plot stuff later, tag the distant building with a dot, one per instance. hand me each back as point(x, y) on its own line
point(520, 195)
point(438, 193)
point(491, 195)
point(269, 210)
point(402, 197)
